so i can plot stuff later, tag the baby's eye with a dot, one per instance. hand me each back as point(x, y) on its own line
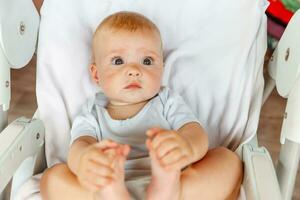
point(148, 61)
point(117, 61)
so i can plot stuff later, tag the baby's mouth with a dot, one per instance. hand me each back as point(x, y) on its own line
point(133, 86)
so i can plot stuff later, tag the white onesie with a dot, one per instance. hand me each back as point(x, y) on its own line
point(166, 110)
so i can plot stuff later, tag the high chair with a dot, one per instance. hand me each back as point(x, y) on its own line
point(22, 142)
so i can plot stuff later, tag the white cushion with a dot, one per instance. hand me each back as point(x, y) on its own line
point(214, 54)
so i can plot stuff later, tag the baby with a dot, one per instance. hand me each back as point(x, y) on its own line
point(137, 139)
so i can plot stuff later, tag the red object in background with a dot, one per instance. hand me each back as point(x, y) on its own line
point(277, 10)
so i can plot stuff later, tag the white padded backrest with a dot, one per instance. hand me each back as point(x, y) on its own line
point(213, 53)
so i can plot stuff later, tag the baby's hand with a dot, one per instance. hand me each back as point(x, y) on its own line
point(172, 150)
point(95, 168)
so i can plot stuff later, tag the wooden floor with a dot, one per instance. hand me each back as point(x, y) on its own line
point(23, 99)
point(24, 104)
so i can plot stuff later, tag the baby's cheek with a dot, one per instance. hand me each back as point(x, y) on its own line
point(108, 86)
point(156, 85)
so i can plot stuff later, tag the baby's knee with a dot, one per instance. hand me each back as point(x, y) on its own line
point(232, 165)
point(230, 159)
point(51, 178)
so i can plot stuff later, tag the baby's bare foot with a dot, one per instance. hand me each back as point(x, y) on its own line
point(165, 184)
point(116, 190)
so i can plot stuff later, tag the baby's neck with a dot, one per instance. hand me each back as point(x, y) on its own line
point(122, 112)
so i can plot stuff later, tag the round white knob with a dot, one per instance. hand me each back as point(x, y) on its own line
point(19, 23)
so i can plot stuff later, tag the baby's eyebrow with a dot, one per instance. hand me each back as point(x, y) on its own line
point(119, 51)
point(147, 51)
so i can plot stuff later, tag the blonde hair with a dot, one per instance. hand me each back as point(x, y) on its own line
point(125, 21)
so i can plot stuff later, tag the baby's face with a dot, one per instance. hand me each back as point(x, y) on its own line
point(129, 65)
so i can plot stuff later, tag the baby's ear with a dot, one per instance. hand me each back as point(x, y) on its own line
point(94, 73)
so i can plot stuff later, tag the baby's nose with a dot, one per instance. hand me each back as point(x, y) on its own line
point(134, 71)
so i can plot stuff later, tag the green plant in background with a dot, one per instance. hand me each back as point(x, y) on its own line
point(292, 5)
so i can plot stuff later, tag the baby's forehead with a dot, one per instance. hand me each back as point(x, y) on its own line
point(102, 37)
point(112, 32)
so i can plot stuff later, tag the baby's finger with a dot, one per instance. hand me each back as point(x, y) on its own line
point(90, 186)
point(104, 144)
point(125, 149)
point(154, 160)
point(111, 153)
point(160, 138)
point(178, 165)
point(101, 170)
point(119, 166)
point(99, 181)
point(165, 147)
point(171, 157)
point(149, 144)
point(92, 181)
point(153, 131)
point(101, 158)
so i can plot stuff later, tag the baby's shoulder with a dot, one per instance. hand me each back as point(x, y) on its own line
point(166, 94)
point(97, 100)
point(89, 105)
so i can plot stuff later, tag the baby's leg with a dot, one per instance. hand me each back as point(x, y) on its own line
point(164, 184)
point(217, 176)
point(58, 182)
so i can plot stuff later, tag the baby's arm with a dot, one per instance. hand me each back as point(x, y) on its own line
point(196, 137)
point(177, 149)
point(76, 149)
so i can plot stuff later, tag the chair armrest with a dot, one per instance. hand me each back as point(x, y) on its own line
point(21, 139)
point(260, 180)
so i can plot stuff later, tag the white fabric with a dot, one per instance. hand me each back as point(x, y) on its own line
point(214, 53)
